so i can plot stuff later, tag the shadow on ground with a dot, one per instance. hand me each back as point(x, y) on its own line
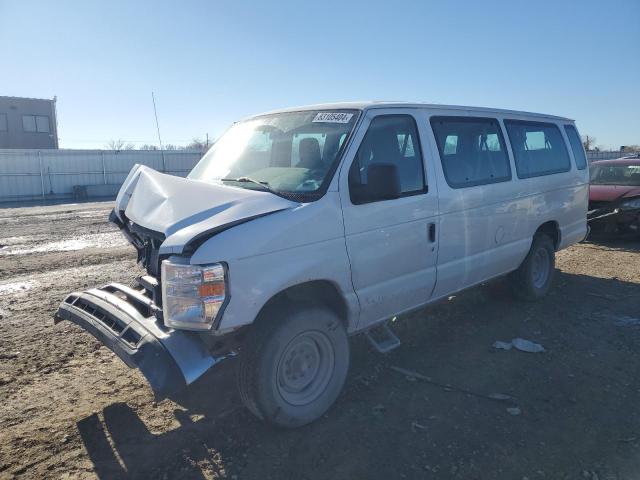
point(579, 402)
point(626, 243)
point(122, 446)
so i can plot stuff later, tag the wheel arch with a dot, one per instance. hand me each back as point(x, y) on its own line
point(552, 229)
point(319, 292)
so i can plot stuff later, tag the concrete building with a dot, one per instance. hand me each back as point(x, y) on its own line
point(28, 123)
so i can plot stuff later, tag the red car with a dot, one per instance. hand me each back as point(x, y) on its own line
point(614, 196)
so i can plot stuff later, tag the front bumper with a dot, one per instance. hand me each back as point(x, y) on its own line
point(124, 319)
point(613, 219)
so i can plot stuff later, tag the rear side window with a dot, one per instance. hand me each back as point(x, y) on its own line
point(472, 150)
point(538, 148)
point(576, 146)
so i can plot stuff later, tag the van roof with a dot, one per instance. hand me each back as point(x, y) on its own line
point(369, 105)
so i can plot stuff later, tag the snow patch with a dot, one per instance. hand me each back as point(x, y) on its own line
point(111, 239)
point(16, 287)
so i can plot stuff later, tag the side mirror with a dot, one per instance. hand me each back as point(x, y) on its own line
point(383, 183)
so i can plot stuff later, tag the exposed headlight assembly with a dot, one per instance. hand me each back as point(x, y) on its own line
point(632, 204)
point(192, 295)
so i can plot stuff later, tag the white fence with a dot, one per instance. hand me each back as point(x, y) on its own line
point(53, 174)
point(594, 156)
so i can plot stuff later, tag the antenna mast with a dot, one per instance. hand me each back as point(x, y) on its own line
point(155, 112)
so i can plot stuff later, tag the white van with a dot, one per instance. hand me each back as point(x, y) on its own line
point(301, 227)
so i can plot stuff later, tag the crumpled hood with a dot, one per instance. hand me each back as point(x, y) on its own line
point(608, 193)
point(184, 209)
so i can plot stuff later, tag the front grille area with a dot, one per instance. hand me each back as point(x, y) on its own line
point(146, 241)
point(148, 245)
point(142, 302)
point(116, 325)
point(150, 258)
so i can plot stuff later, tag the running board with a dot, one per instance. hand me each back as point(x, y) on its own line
point(382, 338)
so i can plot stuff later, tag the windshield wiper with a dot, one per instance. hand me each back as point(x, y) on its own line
point(263, 185)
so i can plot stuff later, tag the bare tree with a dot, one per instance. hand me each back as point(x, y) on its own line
point(197, 144)
point(119, 145)
point(146, 146)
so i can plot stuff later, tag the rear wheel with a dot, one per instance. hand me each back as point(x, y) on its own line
point(293, 367)
point(532, 280)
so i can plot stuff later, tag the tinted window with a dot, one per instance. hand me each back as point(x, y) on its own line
point(390, 140)
point(3, 122)
point(538, 148)
point(605, 174)
point(472, 150)
point(576, 146)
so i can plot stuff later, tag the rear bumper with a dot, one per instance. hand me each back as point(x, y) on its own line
point(124, 320)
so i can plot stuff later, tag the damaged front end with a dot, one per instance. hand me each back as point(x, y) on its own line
point(129, 323)
point(621, 216)
point(168, 325)
point(146, 242)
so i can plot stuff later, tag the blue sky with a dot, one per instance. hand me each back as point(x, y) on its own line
point(211, 63)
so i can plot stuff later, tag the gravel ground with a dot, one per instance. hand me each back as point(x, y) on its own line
point(70, 409)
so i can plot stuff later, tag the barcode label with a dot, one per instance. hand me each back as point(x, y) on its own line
point(332, 117)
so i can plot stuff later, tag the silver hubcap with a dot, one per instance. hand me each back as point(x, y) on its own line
point(540, 267)
point(305, 368)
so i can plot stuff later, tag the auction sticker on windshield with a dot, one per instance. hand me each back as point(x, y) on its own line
point(332, 117)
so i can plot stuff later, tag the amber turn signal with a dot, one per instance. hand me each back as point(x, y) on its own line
point(211, 289)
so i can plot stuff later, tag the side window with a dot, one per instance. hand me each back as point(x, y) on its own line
point(343, 137)
point(29, 123)
point(538, 148)
point(576, 146)
point(35, 123)
point(472, 150)
point(42, 123)
point(450, 144)
point(260, 141)
point(390, 147)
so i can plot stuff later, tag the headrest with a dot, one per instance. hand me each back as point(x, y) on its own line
point(309, 150)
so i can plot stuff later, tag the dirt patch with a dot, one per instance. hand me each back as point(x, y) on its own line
point(70, 409)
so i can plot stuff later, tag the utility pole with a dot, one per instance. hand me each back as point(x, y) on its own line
point(155, 112)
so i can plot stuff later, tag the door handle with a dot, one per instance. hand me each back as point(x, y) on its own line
point(432, 232)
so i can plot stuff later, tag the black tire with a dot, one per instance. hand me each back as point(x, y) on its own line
point(532, 280)
point(285, 350)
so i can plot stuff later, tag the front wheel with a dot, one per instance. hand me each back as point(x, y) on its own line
point(293, 367)
point(532, 280)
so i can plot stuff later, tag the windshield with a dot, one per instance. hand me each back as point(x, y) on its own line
point(286, 153)
point(628, 175)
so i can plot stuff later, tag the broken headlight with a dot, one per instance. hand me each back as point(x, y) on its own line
point(632, 204)
point(192, 295)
